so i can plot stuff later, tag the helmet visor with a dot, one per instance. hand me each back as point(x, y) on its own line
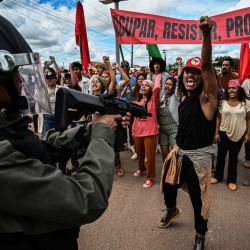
point(34, 86)
point(30, 81)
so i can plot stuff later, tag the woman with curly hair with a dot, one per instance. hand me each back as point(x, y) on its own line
point(232, 129)
point(192, 157)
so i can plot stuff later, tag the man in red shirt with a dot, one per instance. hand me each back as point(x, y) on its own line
point(226, 73)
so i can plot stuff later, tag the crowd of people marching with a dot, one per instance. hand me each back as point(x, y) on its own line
point(159, 91)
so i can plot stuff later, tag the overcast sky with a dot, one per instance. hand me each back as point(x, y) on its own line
point(48, 26)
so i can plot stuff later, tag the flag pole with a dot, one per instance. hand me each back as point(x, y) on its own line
point(120, 47)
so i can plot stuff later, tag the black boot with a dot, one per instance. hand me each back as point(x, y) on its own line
point(199, 241)
point(170, 215)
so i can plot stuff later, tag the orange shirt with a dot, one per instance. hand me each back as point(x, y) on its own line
point(224, 79)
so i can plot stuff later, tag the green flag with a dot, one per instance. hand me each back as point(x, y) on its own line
point(153, 50)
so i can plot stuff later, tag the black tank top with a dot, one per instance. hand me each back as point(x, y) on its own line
point(195, 130)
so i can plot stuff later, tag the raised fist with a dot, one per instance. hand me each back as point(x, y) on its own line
point(179, 60)
point(206, 24)
point(52, 59)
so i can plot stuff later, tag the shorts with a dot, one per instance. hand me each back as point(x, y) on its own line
point(167, 135)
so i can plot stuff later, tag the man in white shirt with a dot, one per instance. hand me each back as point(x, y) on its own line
point(77, 78)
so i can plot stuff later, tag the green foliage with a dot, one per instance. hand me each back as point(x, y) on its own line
point(235, 60)
point(172, 67)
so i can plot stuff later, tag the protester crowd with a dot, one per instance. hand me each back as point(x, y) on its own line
point(144, 135)
point(162, 94)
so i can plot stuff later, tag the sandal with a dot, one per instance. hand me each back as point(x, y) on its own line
point(148, 183)
point(138, 173)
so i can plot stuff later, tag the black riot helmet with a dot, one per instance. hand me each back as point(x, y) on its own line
point(19, 63)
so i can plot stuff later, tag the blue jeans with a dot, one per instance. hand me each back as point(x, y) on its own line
point(48, 123)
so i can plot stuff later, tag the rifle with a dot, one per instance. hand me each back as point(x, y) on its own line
point(71, 105)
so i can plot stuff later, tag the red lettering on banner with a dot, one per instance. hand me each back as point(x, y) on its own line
point(139, 28)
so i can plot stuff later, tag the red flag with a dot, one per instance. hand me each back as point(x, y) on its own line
point(244, 68)
point(81, 36)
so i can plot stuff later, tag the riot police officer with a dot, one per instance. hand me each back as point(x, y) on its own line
point(40, 208)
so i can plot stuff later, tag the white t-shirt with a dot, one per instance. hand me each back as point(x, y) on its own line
point(233, 119)
point(85, 85)
point(52, 100)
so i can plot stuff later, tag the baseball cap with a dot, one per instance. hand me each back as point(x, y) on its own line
point(99, 64)
point(51, 74)
point(76, 65)
point(194, 62)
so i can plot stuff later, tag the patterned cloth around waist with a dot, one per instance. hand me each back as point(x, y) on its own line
point(202, 161)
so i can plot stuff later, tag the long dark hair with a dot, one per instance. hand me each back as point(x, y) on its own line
point(158, 60)
point(241, 95)
point(135, 91)
point(149, 95)
point(174, 84)
point(181, 87)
